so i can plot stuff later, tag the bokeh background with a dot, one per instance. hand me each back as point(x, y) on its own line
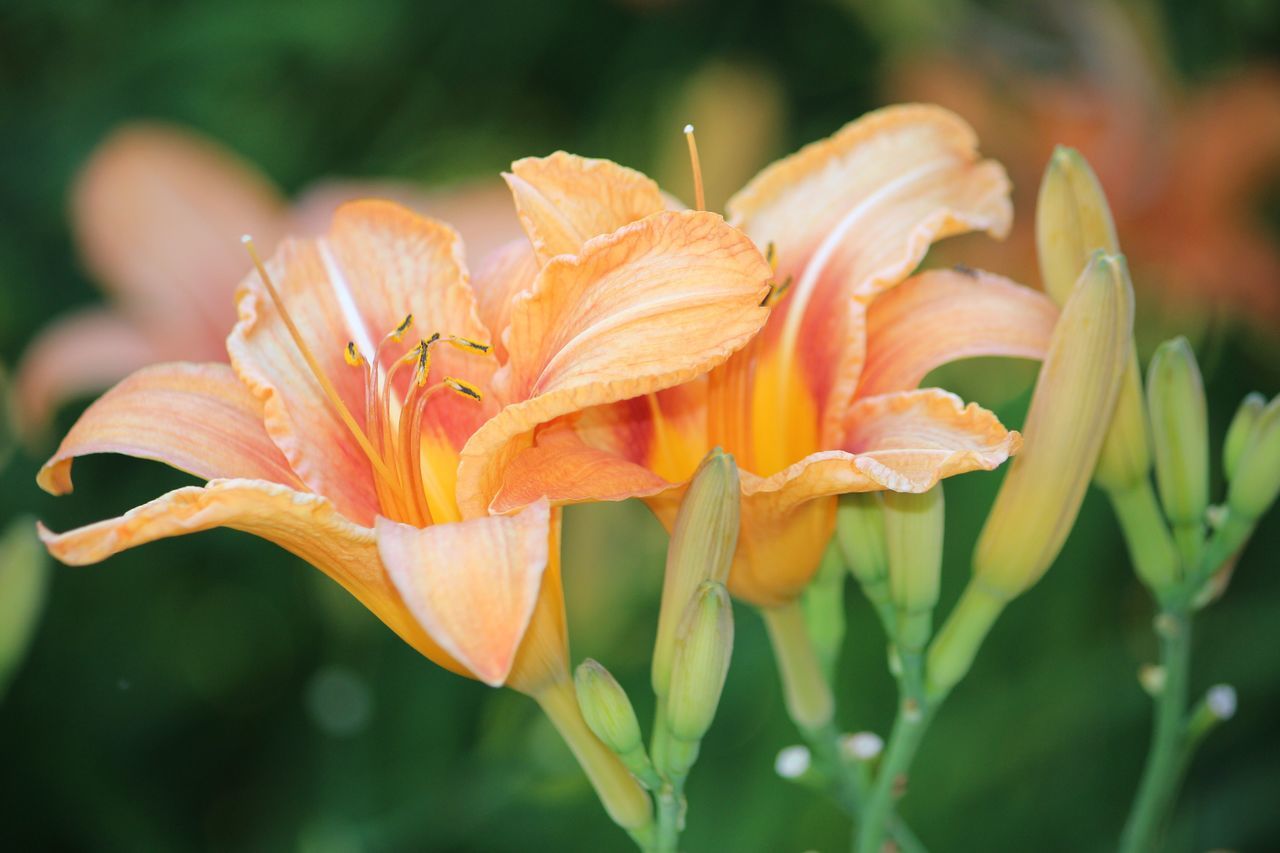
point(215, 694)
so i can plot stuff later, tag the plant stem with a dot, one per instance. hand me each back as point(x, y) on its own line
point(670, 807)
point(1168, 756)
point(914, 715)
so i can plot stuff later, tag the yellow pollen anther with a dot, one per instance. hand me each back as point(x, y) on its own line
point(352, 355)
point(463, 387)
point(404, 326)
point(423, 350)
point(469, 345)
point(699, 199)
point(771, 255)
point(776, 292)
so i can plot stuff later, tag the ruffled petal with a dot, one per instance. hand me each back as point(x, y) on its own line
point(648, 307)
point(564, 200)
point(157, 213)
point(472, 585)
point(851, 216)
point(80, 353)
point(303, 524)
point(942, 316)
point(198, 418)
point(378, 263)
point(502, 275)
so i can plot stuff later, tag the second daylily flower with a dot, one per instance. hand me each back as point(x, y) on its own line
point(824, 401)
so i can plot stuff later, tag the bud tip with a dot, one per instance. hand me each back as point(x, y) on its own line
point(792, 762)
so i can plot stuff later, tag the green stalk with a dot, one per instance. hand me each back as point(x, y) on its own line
point(914, 715)
point(1151, 548)
point(1168, 757)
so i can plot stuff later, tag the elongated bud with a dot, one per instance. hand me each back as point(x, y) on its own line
point(703, 540)
point(860, 535)
point(701, 663)
point(24, 578)
point(1257, 479)
point(1073, 220)
point(606, 708)
point(1241, 432)
point(1179, 433)
point(1070, 409)
point(913, 528)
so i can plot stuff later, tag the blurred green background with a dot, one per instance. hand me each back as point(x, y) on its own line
point(213, 693)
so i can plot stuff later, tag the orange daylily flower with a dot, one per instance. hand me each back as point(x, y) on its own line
point(824, 401)
point(336, 437)
point(156, 212)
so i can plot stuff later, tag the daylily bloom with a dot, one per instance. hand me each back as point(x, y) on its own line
point(824, 401)
point(156, 212)
point(334, 436)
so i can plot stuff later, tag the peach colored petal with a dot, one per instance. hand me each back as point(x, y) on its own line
point(564, 200)
point(303, 524)
point(852, 215)
point(77, 354)
point(941, 316)
point(157, 213)
point(198, 418)
point(478, 210)
point(471, 585)
point(377, 263)
point(502, 275)
point(650, 306)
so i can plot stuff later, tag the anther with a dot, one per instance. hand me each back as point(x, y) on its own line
point(463, 387)
point(469, 345)
point(352, 355)
point(776, 292)
point(404, 326)
point(424, 361)
point(771, 255)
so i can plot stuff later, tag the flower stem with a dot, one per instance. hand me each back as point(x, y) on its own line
point(1168, 756)
point(914, 715)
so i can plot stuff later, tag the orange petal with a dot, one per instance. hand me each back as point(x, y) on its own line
point(941, 316)
point(80, 353)
point(303, 524)
point(852, 215)
point(378, 263)
point(504, 273)
point(647, 307)
point(564, 200)
point(472, 585)
point(158, 212)
point(198, 418)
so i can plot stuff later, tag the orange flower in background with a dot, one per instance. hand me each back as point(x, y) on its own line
point(156, 213)
point(824, 400)
point(1185, 167)
point(334, 436)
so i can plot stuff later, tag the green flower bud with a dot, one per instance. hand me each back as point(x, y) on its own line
point(606, 708)
point(1069, 415)
point(703, 540)
point(1257, 479)
point(1073, 221)
point(1240, 431)
point(701, 663)
point(1179, 433)
point(913, 530)
point(860, 536)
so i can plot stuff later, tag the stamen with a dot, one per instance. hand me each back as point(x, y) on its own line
point(463, 387)
point(314, 365)
point(771, 255)
point(468, 345)
point(776, 292)
point(352, 355)
point(399, 331)
point(424, 361)
point(699, 199)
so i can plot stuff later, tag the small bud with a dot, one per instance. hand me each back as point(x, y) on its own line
point(606, 708)
point(913, 529)
point(1257, 479)
point(701, 663)
point(1179, 433)
point(1151, 677)
point(1073, 221)
point(1070, 410)
point(1241, 431)
point(861, 746)
point(703, 540)
point(860, 535)
point(1221, 701)
point(792, 762)
point(1125, 457)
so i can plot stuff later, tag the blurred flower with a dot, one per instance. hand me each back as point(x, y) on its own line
point(157, 212)
point(1183, 165)
point(824, 400)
